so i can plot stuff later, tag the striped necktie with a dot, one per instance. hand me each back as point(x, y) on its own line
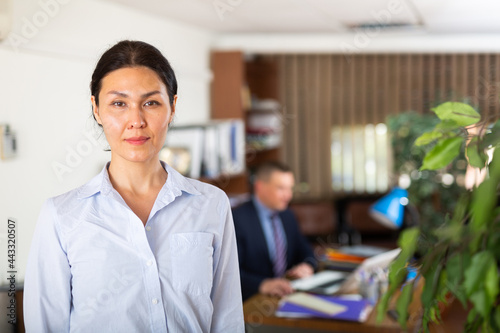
point(279, 246)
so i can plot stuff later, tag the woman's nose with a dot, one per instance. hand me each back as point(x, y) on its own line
point(136, 119)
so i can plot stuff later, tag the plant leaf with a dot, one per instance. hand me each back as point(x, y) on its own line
point(463, 114)
point(481, 303)
point(427, 138)
point(455, 273)
point(494, 239)
point(491, 280)
point(473, 321)
point(485, 196)
point(442, 154)
point(483, 201)
point(496, 318)
point(408, 240)
point(494, 167)
point(403, 302)
point(477, 271)
point(429, 292)
point(397, 271)
point(433, 314)
point(425, 320)
point(461, 209)
point(490, 139)
point(450, 232)
point(476, 156)
point(447, 125)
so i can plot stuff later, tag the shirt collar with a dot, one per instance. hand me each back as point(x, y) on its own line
point(261, 208)
point(174, 186)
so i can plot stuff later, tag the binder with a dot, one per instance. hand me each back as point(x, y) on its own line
point(348, 309)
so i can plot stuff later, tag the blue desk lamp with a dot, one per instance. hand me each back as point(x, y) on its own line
point(389, 210)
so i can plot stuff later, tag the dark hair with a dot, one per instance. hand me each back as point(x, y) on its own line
point(129, 53)
point(263, 171)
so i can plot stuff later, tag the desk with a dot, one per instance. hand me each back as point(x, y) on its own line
point(259, 317)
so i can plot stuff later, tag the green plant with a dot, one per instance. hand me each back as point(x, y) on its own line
point(430, 190)
point(460, 256)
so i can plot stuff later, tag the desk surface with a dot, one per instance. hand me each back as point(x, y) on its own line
point(259, 310)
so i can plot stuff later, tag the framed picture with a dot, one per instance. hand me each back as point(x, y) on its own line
point(178, 158)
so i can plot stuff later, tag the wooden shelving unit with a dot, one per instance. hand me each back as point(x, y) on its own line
point(234, 82)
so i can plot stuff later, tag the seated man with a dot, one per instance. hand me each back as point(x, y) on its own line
point(270, 245)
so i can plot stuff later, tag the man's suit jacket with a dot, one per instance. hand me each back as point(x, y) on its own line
point(253, 252)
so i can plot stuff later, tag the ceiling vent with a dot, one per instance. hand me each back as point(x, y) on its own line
point(393, 26)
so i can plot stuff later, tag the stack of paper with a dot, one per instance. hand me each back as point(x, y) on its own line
point(265, 124)
point(324, 282)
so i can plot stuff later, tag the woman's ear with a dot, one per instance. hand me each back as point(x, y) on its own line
point(172, 112)
point(95, 110)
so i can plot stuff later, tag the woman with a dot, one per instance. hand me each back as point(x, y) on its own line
point(139, 248)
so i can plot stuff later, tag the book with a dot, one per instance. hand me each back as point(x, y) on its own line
point(337, 265)
point(365, 251)
point(349, 258)
point(302, 305)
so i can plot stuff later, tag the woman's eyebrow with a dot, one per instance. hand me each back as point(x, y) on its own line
point(114, 92)
point(122, 94)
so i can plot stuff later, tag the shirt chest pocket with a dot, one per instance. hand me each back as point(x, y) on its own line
point(192, 262)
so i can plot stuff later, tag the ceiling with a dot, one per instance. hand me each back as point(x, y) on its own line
point(328, 16)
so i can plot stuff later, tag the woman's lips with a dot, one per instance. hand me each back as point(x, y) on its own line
point(137, 140)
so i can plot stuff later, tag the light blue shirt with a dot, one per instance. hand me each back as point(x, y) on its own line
point(94, 267)
point(266, 224)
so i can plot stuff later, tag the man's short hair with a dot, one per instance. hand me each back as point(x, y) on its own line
point(264, 170)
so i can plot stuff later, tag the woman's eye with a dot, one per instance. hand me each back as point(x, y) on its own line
point(151, 103)
point(119, 104)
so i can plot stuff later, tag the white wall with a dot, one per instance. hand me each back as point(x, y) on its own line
point(44, 97)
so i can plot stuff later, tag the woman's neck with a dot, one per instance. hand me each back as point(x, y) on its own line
point(136, 177)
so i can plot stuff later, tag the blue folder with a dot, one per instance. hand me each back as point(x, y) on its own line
point(356, 310)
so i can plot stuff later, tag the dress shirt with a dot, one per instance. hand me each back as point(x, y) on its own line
point(266, 223)
point(95, 267)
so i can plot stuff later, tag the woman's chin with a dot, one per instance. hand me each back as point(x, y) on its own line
point(140, 158)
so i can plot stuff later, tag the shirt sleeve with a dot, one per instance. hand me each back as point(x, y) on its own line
point(47, 284)
point(226, 289)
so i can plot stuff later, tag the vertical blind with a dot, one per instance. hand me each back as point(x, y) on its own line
point(320, 91)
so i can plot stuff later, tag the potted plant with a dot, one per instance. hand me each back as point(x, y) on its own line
point(460, 256)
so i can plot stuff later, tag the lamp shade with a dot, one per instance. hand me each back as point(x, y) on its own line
point(389, 210)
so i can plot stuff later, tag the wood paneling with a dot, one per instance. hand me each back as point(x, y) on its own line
point(321, 91)
point(227, 85)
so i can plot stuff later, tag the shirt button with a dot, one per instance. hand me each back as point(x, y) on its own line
point(149, 262)
point(155, 301)
point(148, 228)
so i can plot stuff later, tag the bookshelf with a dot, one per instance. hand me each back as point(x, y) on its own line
point(237, 81)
